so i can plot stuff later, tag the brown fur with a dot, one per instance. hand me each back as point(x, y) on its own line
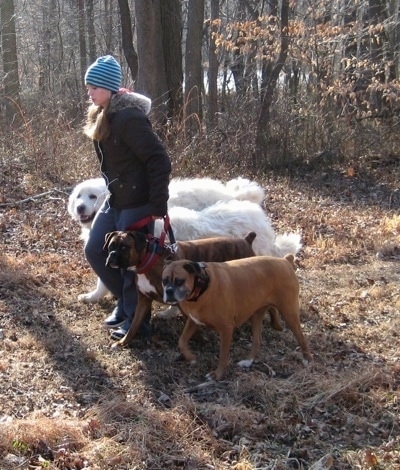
point(128, 249)
point(236, 291)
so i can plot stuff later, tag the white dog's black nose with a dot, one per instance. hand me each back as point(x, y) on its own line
point(81, 209)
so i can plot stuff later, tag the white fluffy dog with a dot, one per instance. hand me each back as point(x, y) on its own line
point(233, 219)
point(84, 202)
point(192, 193)
point(198, 208)
point(199, 193)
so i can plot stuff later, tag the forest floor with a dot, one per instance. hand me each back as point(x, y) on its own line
point(70, 401)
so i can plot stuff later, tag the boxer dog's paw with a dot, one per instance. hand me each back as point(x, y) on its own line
point(245, 363)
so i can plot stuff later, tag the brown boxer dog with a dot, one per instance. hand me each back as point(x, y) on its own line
point(134, 250)
point(222, 296)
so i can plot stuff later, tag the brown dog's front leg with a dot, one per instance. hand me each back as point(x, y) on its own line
point(189, 330)
point(225, 336)
point(142, 309)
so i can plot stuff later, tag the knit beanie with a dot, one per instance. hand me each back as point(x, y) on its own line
point(104, 73)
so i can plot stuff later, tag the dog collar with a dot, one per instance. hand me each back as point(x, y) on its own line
point(154, 250)
point(201, 282)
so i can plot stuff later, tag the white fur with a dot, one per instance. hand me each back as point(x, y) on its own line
point(233, 219)
point(198, 208)
point(199, 193)
point(84, 202)
point(145, 285)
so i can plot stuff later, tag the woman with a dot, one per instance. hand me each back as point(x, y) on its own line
point(136, 168)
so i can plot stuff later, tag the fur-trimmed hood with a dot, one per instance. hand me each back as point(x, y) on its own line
point(124, 99)
point(129, 99)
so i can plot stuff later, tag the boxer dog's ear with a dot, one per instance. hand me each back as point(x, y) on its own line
point(192, 267)
point(108, 238)
point(140, 240)
point(168, 260)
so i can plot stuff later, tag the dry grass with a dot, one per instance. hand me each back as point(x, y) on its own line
point(69, 401)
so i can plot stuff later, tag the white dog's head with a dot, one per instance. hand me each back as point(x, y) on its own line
point(86, 199)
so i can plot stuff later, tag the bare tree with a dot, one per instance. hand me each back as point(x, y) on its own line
point(193, 65)
point(127, 38)
point(269, 79)
point(152, 80)
point(108, 29)
point(171, 23)
point(82, 38)
point(394, 33)
point(9, 54)
point(213, 69)
point(91, 31)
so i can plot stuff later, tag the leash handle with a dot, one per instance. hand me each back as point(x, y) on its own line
point(168, 228)
point(146, 220)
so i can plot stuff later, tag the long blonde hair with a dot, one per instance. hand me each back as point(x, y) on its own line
point(97, 125)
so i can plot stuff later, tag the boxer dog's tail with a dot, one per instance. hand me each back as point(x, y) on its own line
point(290, 259)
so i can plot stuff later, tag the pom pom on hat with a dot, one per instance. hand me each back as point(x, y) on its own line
point(104, 73)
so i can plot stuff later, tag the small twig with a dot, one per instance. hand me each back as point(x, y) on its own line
point(30, 198)
point(202, 386)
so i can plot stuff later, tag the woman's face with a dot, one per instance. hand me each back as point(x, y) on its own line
point(99, 96)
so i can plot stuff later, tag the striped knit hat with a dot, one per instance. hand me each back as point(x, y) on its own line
point(104, 73)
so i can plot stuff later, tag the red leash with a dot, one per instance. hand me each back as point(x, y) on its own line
point(139, 224)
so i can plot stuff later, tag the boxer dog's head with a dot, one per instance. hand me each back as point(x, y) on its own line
point(125, 249)
point(184, 280)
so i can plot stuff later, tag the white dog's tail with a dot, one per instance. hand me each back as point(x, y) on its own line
point(287, 243)
point(243, 189)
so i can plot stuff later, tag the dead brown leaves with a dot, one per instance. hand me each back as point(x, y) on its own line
point(69, 401)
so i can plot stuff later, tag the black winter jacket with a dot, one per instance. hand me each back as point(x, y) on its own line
point(133, 159)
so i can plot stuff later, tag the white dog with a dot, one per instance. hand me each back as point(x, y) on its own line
point(84, 202)
point(233, 219)
point(193, 193)
point(199, 193)
point(198, 208)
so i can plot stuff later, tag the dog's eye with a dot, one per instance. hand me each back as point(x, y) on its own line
point(179, 282)
point(92, 196)
point(165, 281)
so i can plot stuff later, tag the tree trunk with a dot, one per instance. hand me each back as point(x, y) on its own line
point(238, 62)
point(212, 120)
point(9, 56)
point(193, 67)
point(171, 22)
point(107, 23)
point(394, 9)
point(152, 80)
point(127, 38)
point(269, 81)
point(91, 31)
point(82, 39)
point(9, 49)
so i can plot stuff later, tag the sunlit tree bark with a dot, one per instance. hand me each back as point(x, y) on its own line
point(270, 76)
point(152, 79)
point(127, 38)
point(9, 55)
point(213, 69)
point(193, 66)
